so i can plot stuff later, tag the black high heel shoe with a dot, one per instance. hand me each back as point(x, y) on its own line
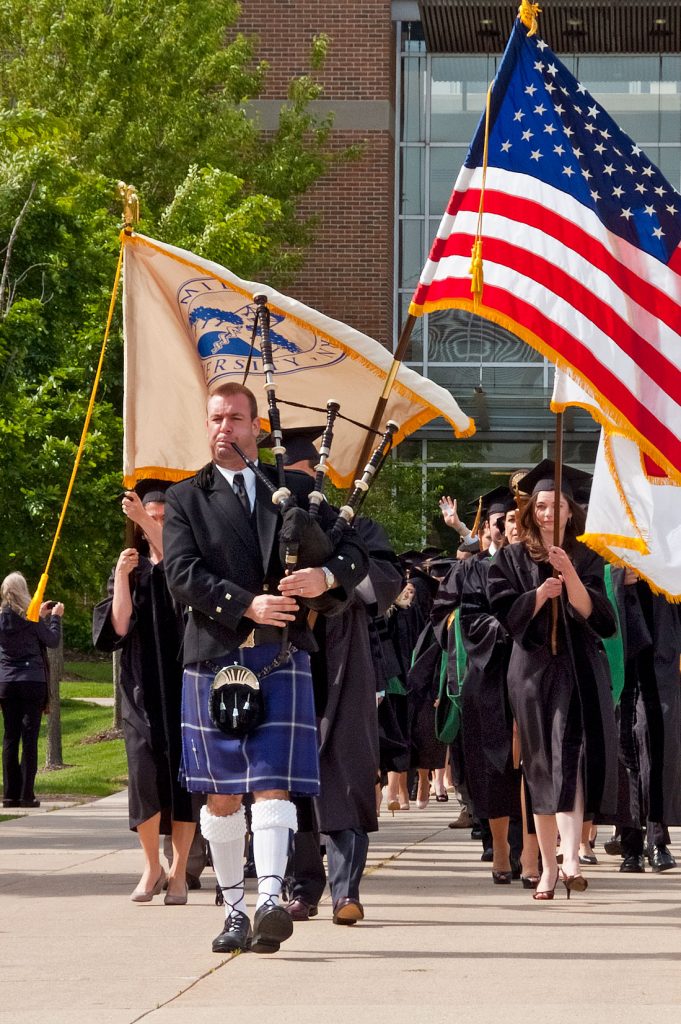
point(501, 877)
point(574, 883)
point(546, 894)
point(530, 881)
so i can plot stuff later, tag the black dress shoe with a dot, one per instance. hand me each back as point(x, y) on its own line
point(347, 911)
point(29, 803)
point(487, 855)
point(271, 926)
point(516, 869)
point(613, 847)
point(193, 882)
point(236, 935)
point(11, 803)
point(660, 859)
point(633, 864)
point(301, 910)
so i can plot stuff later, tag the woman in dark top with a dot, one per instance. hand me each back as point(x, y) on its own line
point(561, 701)
point(139, 617)
point(23, 685)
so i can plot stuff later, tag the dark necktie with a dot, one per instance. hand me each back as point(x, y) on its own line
point(239, 489)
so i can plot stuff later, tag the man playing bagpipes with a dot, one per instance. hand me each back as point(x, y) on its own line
point(222, 538)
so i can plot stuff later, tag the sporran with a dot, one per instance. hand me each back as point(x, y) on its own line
point(236, 705)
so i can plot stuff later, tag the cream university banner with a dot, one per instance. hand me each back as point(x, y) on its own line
point(188, 325)
point(634, 515)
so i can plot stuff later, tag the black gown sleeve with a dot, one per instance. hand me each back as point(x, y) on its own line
point(482, 632)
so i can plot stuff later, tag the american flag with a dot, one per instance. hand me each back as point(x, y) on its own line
point(580, 242)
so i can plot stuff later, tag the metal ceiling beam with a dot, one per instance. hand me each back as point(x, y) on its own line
point(579, 26)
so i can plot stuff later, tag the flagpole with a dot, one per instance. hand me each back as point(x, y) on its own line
point(558, 483)
point(405, 336)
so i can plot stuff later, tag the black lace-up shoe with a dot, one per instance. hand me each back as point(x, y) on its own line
point(236, 935)
point(660, 859)
point(633, 864)
point(271, 926)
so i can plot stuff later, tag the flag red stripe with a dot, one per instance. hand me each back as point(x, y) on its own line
point(652, 468)
point(575, 353)
point(528, 212)
point(665, 374)
point(438, 247)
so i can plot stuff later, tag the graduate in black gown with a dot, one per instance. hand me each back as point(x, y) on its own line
point(486, 719)
point(561, 701)
point(344, 681)
point(649, 723)
point(423, 688)
point(139, 617)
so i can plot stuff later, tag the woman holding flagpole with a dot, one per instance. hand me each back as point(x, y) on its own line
point(559, 694)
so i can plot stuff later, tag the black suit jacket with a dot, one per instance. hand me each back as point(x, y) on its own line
point(216, 563)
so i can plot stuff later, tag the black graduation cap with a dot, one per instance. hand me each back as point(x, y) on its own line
point(439, 567)
point(431, 552)
point(431, 583)
point(149, 490)
point(411, 557)
point(499, 499)
point(575, 483)
point(297, 442)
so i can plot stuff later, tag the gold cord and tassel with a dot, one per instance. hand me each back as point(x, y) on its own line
point(130, 217)
point(528, 14)
point(476, 267)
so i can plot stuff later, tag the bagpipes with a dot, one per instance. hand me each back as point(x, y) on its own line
point(303, 543)
point(235, 703)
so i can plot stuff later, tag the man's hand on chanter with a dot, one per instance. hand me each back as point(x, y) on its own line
point(271, 610)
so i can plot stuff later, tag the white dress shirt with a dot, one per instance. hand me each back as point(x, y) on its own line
point(249, 480)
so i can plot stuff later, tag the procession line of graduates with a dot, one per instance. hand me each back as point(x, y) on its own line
point(588, 707)
point(549, 680)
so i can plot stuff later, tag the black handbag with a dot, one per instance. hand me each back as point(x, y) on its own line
point(236, 705)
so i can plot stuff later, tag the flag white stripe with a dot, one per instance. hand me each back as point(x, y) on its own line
point(572, 320)
point(657, 334)
point(515, 185)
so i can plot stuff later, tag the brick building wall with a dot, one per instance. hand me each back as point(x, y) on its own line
point(348, 272)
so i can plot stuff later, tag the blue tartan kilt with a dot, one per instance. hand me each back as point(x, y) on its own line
point(281, 753)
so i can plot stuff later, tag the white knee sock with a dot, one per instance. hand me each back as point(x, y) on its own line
point(226, 837)
point(273, 823)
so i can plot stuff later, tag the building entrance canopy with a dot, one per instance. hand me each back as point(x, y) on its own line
point(580, 26)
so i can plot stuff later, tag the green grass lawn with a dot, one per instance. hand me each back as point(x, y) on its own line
point(96, 671)
point(94, 769)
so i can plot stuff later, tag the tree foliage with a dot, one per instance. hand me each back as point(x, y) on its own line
point(157, 94)
point(404, 499)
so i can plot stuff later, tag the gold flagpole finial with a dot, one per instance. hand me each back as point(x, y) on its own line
point(529, 15)
point(131, 206)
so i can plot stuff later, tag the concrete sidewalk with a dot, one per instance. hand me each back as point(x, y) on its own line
point(439, 942)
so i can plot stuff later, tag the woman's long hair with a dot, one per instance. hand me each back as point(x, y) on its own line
point(14, 593)
point(530, 534)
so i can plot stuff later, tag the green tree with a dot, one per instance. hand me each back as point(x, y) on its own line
point(156, 94)
point(404, 499)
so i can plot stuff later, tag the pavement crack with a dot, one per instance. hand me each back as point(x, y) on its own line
point(404, 849)
point(187, 988)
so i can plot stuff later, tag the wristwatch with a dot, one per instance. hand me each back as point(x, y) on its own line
point(329, 577)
